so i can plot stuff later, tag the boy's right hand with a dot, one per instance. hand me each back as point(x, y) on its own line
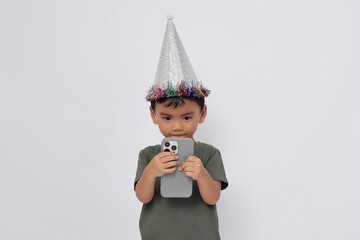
point(163, 163)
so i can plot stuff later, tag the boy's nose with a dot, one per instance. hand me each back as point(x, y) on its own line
point(177, 126)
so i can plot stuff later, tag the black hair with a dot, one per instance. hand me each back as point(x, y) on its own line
point(179, 101)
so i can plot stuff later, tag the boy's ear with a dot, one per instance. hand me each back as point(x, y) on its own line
point(203, 114)
point(153, 115)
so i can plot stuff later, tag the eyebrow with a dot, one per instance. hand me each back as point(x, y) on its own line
point(165, 114)
point(188, 113)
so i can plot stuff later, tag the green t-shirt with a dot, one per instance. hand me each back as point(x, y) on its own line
point(181, 218)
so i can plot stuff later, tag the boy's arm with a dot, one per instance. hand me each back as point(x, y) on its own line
point(145, 187)
point(209, 188)
point(163, 163)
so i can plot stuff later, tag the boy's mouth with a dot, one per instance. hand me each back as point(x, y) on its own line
point(182, 135)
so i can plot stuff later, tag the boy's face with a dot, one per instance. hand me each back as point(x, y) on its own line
point(181, 121)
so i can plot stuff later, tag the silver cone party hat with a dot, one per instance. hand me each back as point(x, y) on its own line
point(175, 76)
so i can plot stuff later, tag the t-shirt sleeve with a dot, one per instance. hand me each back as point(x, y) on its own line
point(143, 161)
point(215, 167)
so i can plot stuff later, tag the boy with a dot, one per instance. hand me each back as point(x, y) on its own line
point(177, 107)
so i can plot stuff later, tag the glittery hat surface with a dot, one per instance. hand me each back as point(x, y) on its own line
point(175, 76)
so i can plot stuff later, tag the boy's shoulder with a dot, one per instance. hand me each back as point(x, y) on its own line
point(152, 146)
point(205, 147)
point(151, 149)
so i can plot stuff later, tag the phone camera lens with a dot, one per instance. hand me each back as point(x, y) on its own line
point(173, 148)
point(167, 150)
point(167, 144)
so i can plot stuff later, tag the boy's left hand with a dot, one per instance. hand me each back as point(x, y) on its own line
point(192, 167)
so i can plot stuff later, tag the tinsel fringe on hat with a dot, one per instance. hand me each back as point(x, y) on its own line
point(183, 90)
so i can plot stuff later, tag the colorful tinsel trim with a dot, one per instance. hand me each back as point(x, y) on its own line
point(183, 90)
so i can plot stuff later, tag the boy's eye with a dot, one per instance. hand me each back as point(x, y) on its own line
point(167, 118)
point(187, 118)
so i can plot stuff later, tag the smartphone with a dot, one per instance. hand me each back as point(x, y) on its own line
point(177, 184)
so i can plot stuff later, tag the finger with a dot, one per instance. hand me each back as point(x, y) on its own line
point(170, 170)
point(185, 165)
point(189, 169)
point(169, 159)
point(191, 159)
point(164, 154)
point(189, 174)
point(171, 164)
point(182, 166)
point(188, 161)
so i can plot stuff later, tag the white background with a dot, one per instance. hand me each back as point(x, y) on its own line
point(284, 111)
